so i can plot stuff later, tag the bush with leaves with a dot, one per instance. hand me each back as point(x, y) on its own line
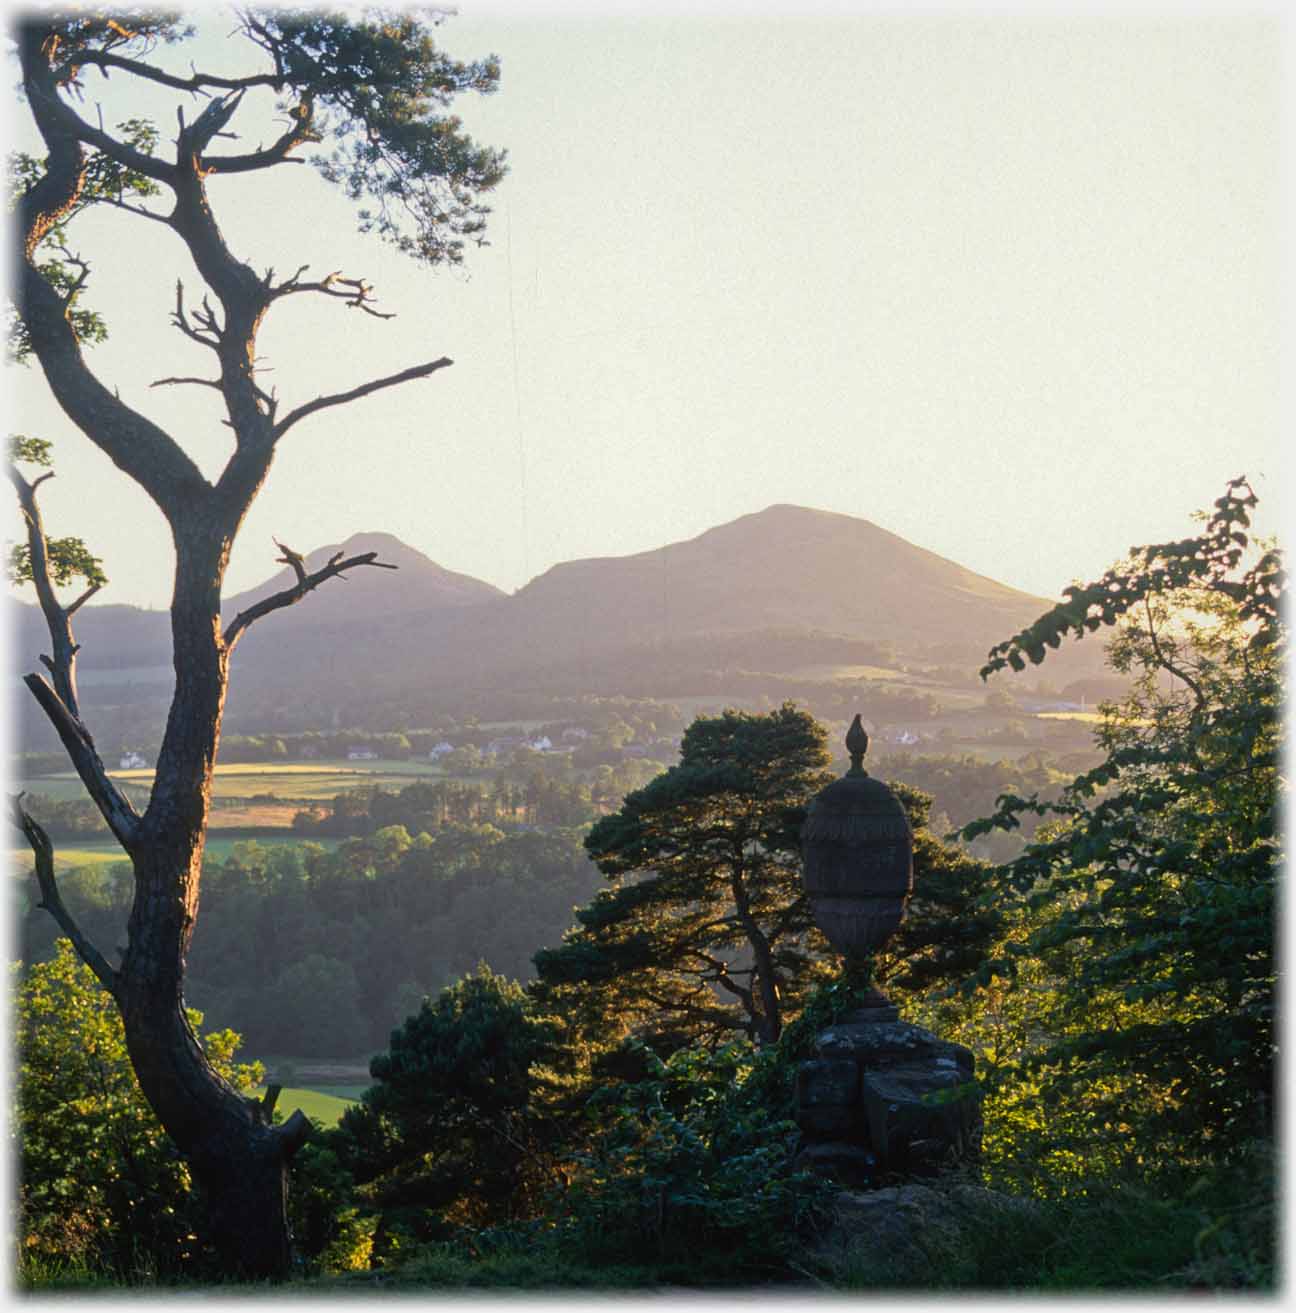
point(686, 1172)
point(100, 1184)
point(450, 1134)
point(1142, 950)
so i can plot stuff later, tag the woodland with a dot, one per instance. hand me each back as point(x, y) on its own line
point(583, 989)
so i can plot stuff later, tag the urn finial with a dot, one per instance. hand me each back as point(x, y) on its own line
point(857, 742)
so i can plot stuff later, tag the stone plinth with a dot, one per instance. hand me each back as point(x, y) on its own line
point(882, 1098)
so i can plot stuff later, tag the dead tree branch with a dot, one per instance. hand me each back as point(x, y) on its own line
point(305, 584)
point(354, 291)
point(341, 398)
point(202, 382)
point(52, 901)
point(62, 663)
point(208, 331)
point(122, 818)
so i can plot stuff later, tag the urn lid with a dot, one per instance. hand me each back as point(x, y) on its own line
point(854, 800)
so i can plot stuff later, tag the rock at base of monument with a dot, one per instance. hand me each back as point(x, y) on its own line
point(914, 1235)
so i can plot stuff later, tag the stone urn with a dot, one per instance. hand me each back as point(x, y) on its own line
point(857, 857)
point(881, 1098)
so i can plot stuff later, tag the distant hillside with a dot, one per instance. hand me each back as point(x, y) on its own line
point(818, 579)
point(787, 567)
point(418, 584)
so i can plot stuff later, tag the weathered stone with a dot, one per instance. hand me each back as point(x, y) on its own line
point(828, 1122)
point(828, 1081)
point(841, 1160)
point(894, 1090)
point(916, 1120)
point(873, 1044)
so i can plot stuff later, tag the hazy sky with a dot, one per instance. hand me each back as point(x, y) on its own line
point(1006, 286)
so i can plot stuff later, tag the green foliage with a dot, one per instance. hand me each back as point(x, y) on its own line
point(1142, 916)
point(100, 1185)
point(683, 1171)
point(345, 942)
point(106, 181)
point(68, 558)
point(1208, 562)
point(380, 86)
point(705, 929)
point(449, 1133)
point(1212, 1230)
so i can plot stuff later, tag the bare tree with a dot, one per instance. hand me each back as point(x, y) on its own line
point(378, 85)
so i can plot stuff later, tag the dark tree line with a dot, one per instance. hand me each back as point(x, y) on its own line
point(312, 953)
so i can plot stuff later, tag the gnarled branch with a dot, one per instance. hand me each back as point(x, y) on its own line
point(305, 584)
point(62, 664)
point(279, 152)
point(122, 818)
point(341, 398)
point(52, 901)
point(105, 60)
point(354, 291)
point(202, 382)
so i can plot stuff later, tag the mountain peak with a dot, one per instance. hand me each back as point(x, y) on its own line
point(417, 584)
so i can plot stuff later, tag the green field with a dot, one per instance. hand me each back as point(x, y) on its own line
point(310, 780)
point(103, 852)
point(326, 1108)
point(840, 671)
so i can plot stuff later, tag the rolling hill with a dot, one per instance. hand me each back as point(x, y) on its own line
point(785, 570)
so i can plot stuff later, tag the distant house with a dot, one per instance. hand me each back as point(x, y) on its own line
point(440, 750)
point(541, 743)
point(361, 754)
point(133, 761)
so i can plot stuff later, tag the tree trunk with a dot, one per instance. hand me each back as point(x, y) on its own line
point(238, 1158)
point(239, 1161)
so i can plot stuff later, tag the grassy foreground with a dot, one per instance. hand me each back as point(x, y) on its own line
point(1215, 1234)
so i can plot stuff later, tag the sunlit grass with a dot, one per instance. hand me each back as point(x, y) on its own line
point(321, 1107)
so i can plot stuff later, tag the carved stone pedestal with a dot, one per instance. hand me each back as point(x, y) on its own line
point(885, 1098)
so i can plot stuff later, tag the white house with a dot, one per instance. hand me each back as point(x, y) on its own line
point(361, 754)
point(440, 750)
point(133, 761)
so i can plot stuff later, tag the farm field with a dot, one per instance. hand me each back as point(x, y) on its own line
point(103, 852)
point(309, 780)
point(839, 671)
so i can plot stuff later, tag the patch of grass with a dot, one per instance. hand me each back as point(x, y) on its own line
point(1217, 1232)
point(106, 852)
point(349, 1093)
point(86, 853)
point(325, 1108)
point(536, 1263)
point(294, 780)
